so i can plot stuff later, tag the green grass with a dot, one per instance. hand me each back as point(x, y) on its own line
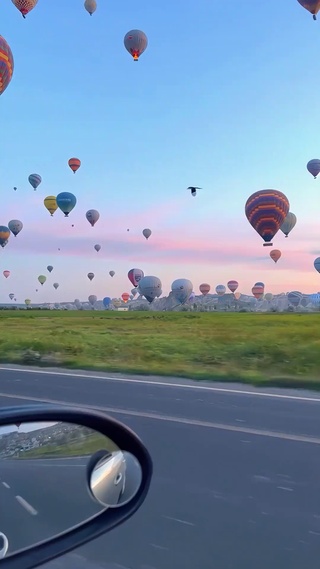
point(84, 447)
point(262, 349)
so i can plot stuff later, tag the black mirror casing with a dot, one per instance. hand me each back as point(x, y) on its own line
point(100, 523)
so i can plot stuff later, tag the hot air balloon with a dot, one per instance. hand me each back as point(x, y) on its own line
point(125, 297)
point(237, 295)
point(56, 285)
point(11, 295)
point(66, 202)
point(50, 202)
point(74, 164)
point(92, 299)
point(288, 223)
point(232, 285)
point(259, 284)
point(6, 274)
point(90, 276)
point(92, 216)
point(258, 292)
point(135, 276)
point(317, 264)
point(4, 235)
point(25, 6)
point(147, 233)
point(135, 43)
point(313, 167)
point(275, 255)
point(221, 290)
point(27, 301)
point(181, 290)
point(97, 247)
point(268, 296)
point(35, 180)
point(204, 288)
point(150, 288)
point(50, 268)
point(266, 210)
point(295, 297)
point(15, 226)
point(106, 301)
point(313, 6)
point(112, 273)
point(6, 65)
point(42, 279)
point(90, 6)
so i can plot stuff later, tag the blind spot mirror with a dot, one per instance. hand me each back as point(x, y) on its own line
point(114, 477)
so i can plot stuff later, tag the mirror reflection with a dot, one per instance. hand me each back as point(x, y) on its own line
point(50, 480)
point(116, 478)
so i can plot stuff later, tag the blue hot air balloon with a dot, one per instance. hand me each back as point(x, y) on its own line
point(66, 202)
point(35, 180)
point(106, 301)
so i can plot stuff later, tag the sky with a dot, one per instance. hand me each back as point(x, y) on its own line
point(225, 97)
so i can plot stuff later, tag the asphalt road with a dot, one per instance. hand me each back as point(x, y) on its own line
point(237, 471)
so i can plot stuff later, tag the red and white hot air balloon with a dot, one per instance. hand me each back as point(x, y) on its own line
point(25, 6)
point(74, 164)
point(125, 297)
point(232, 285)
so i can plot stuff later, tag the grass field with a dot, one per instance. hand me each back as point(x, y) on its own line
point(269, 349)
point(78, 448)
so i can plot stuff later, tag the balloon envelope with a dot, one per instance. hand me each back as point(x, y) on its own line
point(25, 6)
point(150, 287)
point(4, 234)
point(6, 65)
point(135, 43)
point(90, 276)
point(317, 264)
point(135, 276)
point(313, 6)
point(106, 301)
point(92, 299)
point(50, 203)
point(232, 285)
point(97, 247)
point(90, 6)
point(275, 255)
point(258, 291)
point(313, 167)
point(266, 210)
point(92, 216)
point(147, 233)
point(181, 289)
point(204, 288)
point(66, 202)
point(35, 180)
point(125, 296)
point(74, 164)
point(50, 268)
point(15, 226)
point(42, 279)
point(56, 285)
point(220, 290)
point(6, 274)
point(288, 223)
point(295, 297)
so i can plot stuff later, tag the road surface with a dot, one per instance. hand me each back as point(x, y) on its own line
point(237, 470)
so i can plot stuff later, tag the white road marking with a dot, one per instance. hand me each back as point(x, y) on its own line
point(26, 506)
point(181, 420)
point(6, 485)
point(178, 520)
point(232, 391)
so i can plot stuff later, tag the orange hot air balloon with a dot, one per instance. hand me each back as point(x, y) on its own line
point(125, 297)
point(74, 164)
point(275, 255)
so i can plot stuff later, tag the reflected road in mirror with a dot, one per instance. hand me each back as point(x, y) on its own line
point(44, 479)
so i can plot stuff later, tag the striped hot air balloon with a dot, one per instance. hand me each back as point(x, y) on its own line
point(232, 285)
point(6, 65)
point(74, 164)
point(25, 6)
point(266, 210)
point(35, 180)
point(258, 291)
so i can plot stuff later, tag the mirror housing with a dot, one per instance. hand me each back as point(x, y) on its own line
point(108, 518)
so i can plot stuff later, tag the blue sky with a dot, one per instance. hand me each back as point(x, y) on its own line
point(225, 97)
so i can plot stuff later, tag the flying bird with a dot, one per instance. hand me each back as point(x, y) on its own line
point(193, 190)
